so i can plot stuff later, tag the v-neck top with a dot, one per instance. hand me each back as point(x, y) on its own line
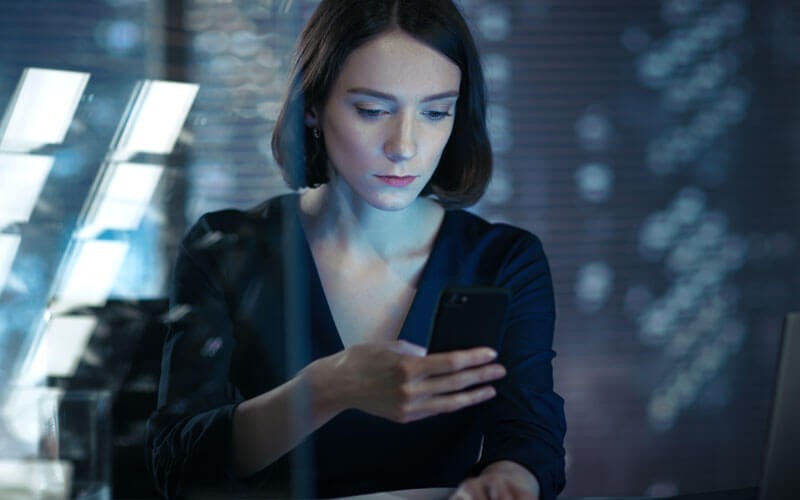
point(227, 343)
point(419, 310)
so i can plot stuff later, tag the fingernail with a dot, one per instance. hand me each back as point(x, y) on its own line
point(490, 353)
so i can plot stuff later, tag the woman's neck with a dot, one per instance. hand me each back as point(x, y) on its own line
point(353, 225)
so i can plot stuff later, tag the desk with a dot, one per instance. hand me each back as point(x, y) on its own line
point(444, 493)
point(415, 494)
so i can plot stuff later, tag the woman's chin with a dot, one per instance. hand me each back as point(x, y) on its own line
point(395, 202)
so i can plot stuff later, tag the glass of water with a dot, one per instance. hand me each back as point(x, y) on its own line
point(55, 444)
point(84, 440)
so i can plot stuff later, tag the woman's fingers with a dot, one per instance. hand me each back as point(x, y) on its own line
point(491, 487)
point(471, 489)
point(456, 381)
point(447, 362)
point(397, 381)
point(424, 407)
point(404, 347)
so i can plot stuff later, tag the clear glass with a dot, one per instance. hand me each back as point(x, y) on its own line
point(84, 440)
point(55, 444)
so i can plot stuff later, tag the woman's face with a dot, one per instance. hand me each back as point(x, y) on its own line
point(387, 119)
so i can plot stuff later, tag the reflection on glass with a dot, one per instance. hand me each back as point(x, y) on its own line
point(62, 345)
point(155, 117)
point(41, 109)
point(123, 199)
point(90, 274)
point(29, 417)
point(21, 180)
point(8, 250)
point(55, 444)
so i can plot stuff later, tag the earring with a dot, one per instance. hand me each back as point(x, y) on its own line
point(316, 133)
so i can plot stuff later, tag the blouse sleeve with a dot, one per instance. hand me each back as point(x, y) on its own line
point(189, 435)
point(525, 421)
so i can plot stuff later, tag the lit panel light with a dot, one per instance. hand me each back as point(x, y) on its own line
point(9, 243)
point(28, 478)
point(62, 344)
point(21, 180)
point(155, 118)
point(123, 199)
point(29, 415)
point(91, 273)
point(41, 109)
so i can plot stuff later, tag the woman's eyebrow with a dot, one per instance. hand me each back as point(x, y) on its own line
point(389, 97)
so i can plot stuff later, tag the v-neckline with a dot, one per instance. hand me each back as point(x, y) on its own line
point(415, 325)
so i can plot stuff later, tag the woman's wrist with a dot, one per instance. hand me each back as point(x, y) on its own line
point(266, 426)
point(327, 388)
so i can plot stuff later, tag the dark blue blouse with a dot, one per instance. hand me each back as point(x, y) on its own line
point(226, 344)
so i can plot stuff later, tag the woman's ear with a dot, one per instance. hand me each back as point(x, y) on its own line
point(311, 118)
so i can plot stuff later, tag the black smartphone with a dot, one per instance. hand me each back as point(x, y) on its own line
point(467, 317)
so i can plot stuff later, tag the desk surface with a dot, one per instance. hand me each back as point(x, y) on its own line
point(444, 493)
point(415, 494)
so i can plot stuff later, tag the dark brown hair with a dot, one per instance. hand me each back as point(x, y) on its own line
point(336, 28)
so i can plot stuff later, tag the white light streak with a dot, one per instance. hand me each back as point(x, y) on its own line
point(26, 478)
point(41, 109)
point(157, 113)
point(21, 180)
point(9, 243)
point(91, 274)
point(122, 201)
point(30, 413)
point(62, 344)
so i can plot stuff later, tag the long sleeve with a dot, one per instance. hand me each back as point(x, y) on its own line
point(189, 435)
point(525, 422)
point(225, 344)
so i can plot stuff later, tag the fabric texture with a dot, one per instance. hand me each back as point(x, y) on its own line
point(226, 344)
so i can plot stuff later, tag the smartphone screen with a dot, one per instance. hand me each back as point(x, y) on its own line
point(467, 317)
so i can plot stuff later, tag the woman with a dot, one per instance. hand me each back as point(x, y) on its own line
point(393, 114)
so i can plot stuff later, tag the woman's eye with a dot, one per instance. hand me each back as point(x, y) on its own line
point(370, 112)
point(436, 115)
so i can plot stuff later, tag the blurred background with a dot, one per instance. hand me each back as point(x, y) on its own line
point(653, 146)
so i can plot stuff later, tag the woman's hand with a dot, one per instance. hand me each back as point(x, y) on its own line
point(504, 480)
point(397, 381)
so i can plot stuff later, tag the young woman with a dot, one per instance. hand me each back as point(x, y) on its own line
point(390, 102)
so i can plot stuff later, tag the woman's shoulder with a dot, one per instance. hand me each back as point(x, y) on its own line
point(497, 252)
point(474, 230)
point(232, 223)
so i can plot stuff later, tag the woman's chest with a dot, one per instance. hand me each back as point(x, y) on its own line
point(369, 302)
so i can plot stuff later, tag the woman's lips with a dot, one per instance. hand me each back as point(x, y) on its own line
point(396, 180)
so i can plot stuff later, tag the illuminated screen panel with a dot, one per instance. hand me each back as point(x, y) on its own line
point(41, 109)
point(9, 243)
point(22, 177)
point(157, 114)
point(123, 199)
point(87, 58)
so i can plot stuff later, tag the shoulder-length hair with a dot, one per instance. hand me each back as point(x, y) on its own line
point(336, 28)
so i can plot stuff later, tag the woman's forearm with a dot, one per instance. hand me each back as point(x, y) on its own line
point(390, 380)
point(268, 426)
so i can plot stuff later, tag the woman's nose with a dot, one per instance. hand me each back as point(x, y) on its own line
point(401, 144)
